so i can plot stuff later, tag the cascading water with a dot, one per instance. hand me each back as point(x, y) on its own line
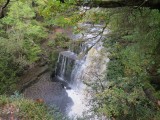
point(74, 67)
point(80, 63)
point(65, 64)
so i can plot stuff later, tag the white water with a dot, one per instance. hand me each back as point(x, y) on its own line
point(85, 69)
point(78, 92)
point(79, 103)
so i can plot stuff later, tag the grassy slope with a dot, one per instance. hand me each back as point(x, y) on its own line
point(19, 108)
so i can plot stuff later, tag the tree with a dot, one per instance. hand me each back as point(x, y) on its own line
point(20, 38)
point(133, 44)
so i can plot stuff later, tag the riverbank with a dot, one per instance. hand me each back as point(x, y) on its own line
point(52, 93)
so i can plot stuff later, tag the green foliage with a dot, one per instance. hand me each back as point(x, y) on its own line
point(56, 13)
point(32, 51)
point(62, 41)
point(53, 57)
point(19, 41)
point(23, 33)
point(97, 16)
point(130, 92)
point(26, 109)
point(134, 58)
point(8, 72)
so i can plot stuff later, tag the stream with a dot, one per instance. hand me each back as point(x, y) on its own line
point(66, 89)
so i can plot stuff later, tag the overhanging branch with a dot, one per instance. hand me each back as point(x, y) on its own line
point(99, 34)
point(3, 8)
point(122, 3)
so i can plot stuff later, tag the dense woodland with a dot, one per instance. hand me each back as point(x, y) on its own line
point(132, 91)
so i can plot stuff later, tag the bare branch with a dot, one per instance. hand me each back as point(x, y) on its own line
point(99, 34)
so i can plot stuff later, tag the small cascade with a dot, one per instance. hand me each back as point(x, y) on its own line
point(74, 64)
point(65, 65)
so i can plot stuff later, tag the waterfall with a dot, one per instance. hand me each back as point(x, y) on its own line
point(65, 65)
point(76, 65)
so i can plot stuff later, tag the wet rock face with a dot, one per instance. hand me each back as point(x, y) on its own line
point(65, 65)
point(64, 84)
point(52, 93)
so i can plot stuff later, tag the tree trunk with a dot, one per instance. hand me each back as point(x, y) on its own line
point(3, 8)
point(155, 80)
point(123, 3)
